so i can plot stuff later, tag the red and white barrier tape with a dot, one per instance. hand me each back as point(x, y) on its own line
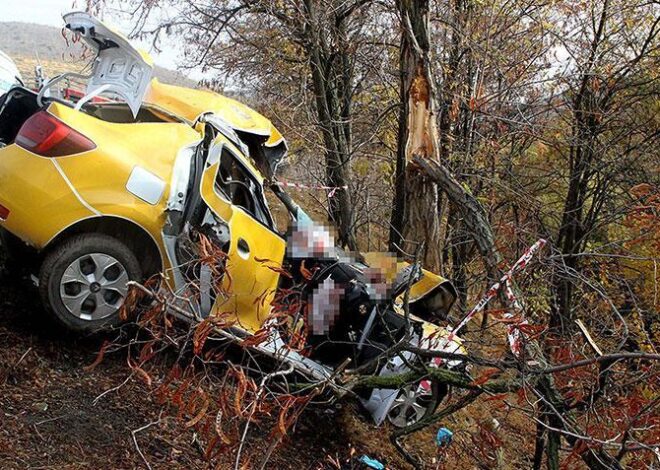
point(332, 189)
point(513, 331)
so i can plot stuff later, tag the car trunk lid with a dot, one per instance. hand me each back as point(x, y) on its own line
point(119, 68)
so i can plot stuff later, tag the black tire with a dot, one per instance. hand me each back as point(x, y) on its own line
point(78, 249)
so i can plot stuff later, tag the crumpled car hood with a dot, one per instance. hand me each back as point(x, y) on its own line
point(121, 69)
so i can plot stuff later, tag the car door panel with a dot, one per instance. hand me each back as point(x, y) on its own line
point(254, 255)
point(251, 282)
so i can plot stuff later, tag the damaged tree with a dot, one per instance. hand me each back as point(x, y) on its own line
point(416, 209)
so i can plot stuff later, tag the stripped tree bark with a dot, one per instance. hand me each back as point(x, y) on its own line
point(416, 210)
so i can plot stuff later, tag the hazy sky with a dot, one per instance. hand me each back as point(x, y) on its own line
point(35, 11)
point(49, 12)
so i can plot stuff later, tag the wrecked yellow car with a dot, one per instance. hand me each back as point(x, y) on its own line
point(104, 191)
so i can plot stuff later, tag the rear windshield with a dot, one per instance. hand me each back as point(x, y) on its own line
point(120, 113)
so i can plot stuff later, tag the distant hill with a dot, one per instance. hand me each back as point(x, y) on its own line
point(29, 44)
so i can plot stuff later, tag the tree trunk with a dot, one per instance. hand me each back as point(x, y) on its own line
point(417, 195)
point(398, 219)
point(584, 139)
point(332, 82)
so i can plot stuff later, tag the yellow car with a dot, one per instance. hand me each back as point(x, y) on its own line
point(113, 188)
point(98, 187)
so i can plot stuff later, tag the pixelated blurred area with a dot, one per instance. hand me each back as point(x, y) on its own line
point(381, 273)
point(309, 239)
point(326, 299)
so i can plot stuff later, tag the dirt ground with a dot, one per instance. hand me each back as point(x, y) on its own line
point(51, 416)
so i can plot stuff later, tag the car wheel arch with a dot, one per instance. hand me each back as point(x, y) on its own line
point(131, 234)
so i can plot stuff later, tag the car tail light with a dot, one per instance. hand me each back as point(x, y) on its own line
point(4, 213)
point(47, 136)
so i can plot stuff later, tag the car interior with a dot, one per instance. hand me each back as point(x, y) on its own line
point(241, 189)
point(18, 104)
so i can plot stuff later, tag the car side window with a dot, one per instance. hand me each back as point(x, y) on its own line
point(240, 188)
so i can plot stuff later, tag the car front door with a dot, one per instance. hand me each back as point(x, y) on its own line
point(233, 191)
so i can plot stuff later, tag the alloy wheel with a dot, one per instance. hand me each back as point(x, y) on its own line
point(410, 406)
point(93, 286)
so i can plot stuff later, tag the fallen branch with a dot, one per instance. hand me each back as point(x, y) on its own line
point(137, 446)
point(599, 359)
point(588, 337)
point(474, 215)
